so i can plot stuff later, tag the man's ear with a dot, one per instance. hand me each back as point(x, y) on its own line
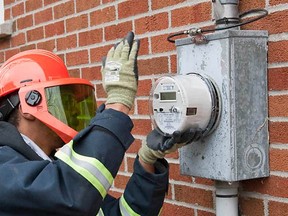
point(26, 115)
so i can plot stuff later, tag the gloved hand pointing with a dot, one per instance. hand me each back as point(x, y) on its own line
point(120, 72)
point(157, 145)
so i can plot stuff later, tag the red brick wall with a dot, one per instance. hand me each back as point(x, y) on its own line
point(82, 31)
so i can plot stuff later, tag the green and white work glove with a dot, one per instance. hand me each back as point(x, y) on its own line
point(120, 72)
point(157, 145)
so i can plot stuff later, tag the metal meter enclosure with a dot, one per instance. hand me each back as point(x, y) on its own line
point(184, 101)
point(236, 60)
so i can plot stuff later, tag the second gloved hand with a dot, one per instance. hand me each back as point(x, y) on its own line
point(157, 145)
point(120, 72)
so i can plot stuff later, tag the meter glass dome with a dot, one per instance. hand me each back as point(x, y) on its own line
point(184, 101)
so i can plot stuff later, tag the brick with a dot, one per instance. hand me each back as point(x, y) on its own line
point(122, 166)
point(120, 181)
point(96, 54)
point(278, 160)
point(193, 195)
point(77, 23)
point(143, 107)
point(4, 43)
point(2, 57)
point(204, 181)
point(173, 155)
point(248, 5)
point(275, 51)
point(35, 34)
point(141, 126)
point(7, 13)
point(11, 52)
point(100, 91)
point(204, 213)
point(115, 194)
point(134, 147)
point(56, 28)
point(277, 208)
point(28, 47)
point(152, 23)
point(276, 2)
point(278, 78)
point(18, 10)
point(274, 186)
point(118, 31)
point(107, 1)
point(90, 37)
point(251, 206)
point(157, 4)
point(277, 104)
point(104, 15)
point(47, 45)
point(173, 63)
point(18, 39)
point(160, 44)
point(43, 16)
point(82, 5)
point(131, 8)
point(273, 23)
point(91, 73)
point(47, 2)
point(144, 46)
point(74, 73)
point(193, 14)
point(174, 170)
point(130, 164)
point(64, 9)
point(8, 2)
point(156, 65)
point(24, 22)
point(67, 42)
point(77, 58)
point(144, 87)
point(32, 5)
point(278, 132)
point(172, 210)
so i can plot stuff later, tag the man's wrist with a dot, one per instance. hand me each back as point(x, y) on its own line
point(148, 167)
point(118, 106)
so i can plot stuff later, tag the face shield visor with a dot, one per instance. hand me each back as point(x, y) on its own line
point(66, 108)
point(74, 105)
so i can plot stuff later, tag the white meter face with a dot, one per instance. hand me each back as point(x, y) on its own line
point(184, 101)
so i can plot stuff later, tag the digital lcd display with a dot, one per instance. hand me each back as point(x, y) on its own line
point(168, 96)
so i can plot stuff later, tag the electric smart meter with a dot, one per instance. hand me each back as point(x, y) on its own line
point(186, 101)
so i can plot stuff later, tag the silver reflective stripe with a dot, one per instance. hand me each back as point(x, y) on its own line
point(125, 209)
point(100, 213)
point(90, 168)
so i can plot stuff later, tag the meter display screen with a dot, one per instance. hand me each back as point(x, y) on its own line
point(167, 96)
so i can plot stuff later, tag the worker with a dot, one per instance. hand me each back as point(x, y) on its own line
point(57, 157)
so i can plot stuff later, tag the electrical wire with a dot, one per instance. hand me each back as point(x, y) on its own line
point(196, 31)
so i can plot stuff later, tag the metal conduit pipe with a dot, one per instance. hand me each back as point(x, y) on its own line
point(226, 12)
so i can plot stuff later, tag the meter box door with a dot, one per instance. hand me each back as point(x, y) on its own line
point(236, 60)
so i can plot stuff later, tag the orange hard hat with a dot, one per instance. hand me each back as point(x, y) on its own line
point(46, 91)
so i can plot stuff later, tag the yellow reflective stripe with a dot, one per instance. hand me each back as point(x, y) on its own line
point(125, 209)
point(90, 168)
point(100, 213)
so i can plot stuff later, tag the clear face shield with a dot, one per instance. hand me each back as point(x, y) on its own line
point(74, 105)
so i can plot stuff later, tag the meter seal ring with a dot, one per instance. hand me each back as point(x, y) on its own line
point(216, 104)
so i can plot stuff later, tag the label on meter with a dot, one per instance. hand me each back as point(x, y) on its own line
point(183, 101)
point(168, 122)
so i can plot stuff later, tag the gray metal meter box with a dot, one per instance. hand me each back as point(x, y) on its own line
point(236, 61)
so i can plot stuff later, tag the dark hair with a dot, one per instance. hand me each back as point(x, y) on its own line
point(14, 117)
point(9, 106)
